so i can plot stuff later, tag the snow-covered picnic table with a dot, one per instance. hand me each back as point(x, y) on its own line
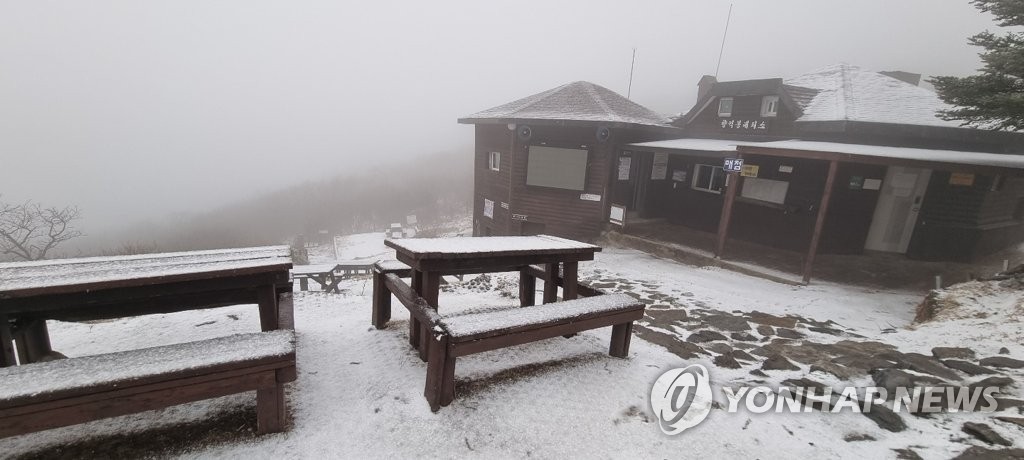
point(113, 287)
point(329, 275)
point(430, 258)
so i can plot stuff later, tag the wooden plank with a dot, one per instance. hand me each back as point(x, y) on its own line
point(534, 333)
point(489, 264)
point(116, 405)
point(723, 221)
point(266, 297)
point(107, 390)
point(819, 222)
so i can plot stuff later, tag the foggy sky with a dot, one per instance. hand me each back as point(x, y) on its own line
point(141, 109)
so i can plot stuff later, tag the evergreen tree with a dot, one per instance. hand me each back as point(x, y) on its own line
point(995, 97)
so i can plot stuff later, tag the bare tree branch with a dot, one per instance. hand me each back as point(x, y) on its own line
point(29, 231)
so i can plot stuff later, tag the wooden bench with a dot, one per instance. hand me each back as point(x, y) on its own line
point(41, 396)
point(490, 330)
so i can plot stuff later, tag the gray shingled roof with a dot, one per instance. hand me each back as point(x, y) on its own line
point(579, 101)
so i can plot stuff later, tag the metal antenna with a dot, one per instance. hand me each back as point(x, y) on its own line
point(629, 89)
point(725, 34)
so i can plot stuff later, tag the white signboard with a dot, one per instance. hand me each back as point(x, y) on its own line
point(659, 171)
point(617, 215)
point(624, 163)
point(872, 184)
point(590, 197)
point(488, 208)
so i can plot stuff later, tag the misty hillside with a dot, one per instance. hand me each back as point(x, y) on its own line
point(434, 187)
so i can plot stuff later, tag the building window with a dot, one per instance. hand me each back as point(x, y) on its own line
point(769, 106)
point(556, 168)
point(766, 190)
point(725, 107)
point(708, 178)
point(494, 161)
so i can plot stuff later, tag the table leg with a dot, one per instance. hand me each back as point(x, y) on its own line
point(266, 297)
point(414, 324)
point(570, 283)
point(527, 288)
point(334, 281)
point(550, 285)
point(431, 289)
point(7, 355)
point(303, 284)
point(33, 341)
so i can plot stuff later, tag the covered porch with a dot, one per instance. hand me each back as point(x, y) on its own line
point(795, 202)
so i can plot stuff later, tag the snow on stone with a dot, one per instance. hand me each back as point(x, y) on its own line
point(847, 92)
point(123, 367)
point(488, 244)
point(485, 322)
point(63, 272)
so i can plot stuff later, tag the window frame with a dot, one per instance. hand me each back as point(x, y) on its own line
point(494, 161)
point(732, 103)
point(711, 183)
point(773, 102)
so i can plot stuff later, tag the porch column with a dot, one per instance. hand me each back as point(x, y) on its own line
point(833, 166)
point(723, 223)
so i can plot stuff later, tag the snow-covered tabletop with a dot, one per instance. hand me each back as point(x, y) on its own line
point(487, 246)
point(66, 275)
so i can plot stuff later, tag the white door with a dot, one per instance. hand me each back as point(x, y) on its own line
point(899, 203)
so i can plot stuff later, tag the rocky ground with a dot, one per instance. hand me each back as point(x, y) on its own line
point(825, 353)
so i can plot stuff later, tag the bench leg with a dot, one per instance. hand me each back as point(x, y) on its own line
point(7, 354)
point(431, 285)
point(33, 341)
point(414, 324)
point(434, 390)
point(621, 334)
point(381, 302)
point(303, 284)
point(448, 380)
point(527, 288)
point(270, 410)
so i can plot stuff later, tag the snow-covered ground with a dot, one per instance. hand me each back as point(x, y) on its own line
point(360, 391)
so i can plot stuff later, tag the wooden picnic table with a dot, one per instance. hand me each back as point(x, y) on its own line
point(113, 287)
point(329, 275)
point(431, 258)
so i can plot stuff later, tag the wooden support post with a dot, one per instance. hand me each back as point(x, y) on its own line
point(435, 373)
point(270, 409)
point(303, 284)
point(621, 334)
point(570, 283)
point(527, 288)
point(819, 222)
point(8, 357)
point(266, 297)
point(723, 222)
point(381, 302)
point(550, 285)
point(35, 341)
point(414, 324)
point(431, 287)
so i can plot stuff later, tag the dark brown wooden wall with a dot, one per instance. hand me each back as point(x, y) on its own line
point(547, 210)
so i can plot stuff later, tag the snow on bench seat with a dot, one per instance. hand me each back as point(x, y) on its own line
point(41, 380)
point(482, 324)
point(390, 266)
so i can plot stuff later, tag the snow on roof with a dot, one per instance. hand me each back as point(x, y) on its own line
point(577, 101)
point(113, 369)
point(847, 92)
point(65, 272)
point(489, 245)
point(706, 145)
point(903, 153)
point(466, 325)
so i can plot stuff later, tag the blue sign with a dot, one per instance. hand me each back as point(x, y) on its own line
point(733, 165)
